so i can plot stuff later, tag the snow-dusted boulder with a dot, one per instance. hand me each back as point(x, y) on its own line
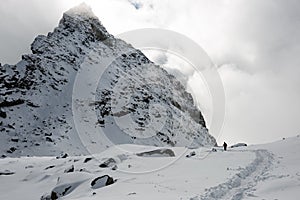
point(69, 169)
point(238, 145)
point(63, 190)
point(157, 153)
point(102, 181)
point(108, 163)
point(6, 173)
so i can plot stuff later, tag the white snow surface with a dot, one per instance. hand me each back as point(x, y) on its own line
point(268, 171)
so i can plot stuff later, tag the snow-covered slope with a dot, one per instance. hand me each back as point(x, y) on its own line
point(269, 171)
point(36, 116)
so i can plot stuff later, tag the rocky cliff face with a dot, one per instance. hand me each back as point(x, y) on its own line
point(36, 116)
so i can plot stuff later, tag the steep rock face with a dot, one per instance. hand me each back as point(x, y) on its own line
point(36, 94)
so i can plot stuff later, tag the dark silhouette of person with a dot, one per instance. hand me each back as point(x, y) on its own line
point(225, 146)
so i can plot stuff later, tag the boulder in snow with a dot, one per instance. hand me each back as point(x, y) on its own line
point(62, 155)
point(238, 145)
point(108, 163)
point(87, 159)
point(193, 153)
point(157, 153)
point(70, 169)
point(62, 190)
point(102, 181)
point(6, 173)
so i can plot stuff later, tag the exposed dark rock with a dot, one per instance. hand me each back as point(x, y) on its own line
point(102, 181)
point(176, 104)
point(49, 167)
point(131, 193)
point(3, 114)
point(29, 103)
point(63, 190)
point(63, 155)
point(6, 173)
point(70, 169)
point(103, 165)
point(46, 197)
point(6, 103)
point(49, 139)
point(14, 139)
point(238, 145)
point(11, 150)
point(108, 163)
point(193, 153)
point(115, 167)
point(87, 160)
point(10, 126)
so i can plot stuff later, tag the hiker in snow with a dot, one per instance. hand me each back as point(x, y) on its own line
point(225, 146)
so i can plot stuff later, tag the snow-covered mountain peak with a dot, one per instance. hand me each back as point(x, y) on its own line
point(79, 24)
point(82, 17)
point(36, 113)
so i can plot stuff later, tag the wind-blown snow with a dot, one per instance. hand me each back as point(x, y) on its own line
point(83, 11)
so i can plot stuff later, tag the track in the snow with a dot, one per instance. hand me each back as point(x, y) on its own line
point(241, 183)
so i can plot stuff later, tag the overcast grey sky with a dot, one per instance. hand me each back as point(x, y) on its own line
point(255, 45)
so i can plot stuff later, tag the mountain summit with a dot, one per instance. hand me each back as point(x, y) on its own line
point(36, 111)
